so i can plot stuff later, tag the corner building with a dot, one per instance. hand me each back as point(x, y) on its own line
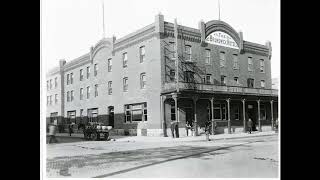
point(131, 83)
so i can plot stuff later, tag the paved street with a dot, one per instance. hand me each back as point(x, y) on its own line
point(165, 158)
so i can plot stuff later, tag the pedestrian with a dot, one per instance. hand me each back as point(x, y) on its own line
point(277, 125)
point(70, 129)
point(52, 133)
point(207, 129)
point(249, 125)
point(188, 127)
point(172, 126)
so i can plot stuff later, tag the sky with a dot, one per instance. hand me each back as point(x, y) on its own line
point(70, 27)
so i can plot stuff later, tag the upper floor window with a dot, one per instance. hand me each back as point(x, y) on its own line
point(142, 54)
point(110, 87)
point(50, 83)
point(125, 84)
point(222, 59)
point(88, 92)
point(68, 79)
point(262, 65)
point(250, 83)
point(143, 80)
point(223, 80)
point(236, 80)
point(72, 95)
point(88, 72)
point(208, 79)
point(189, 76)
point(208, 56)
point(172, 50)
point(71, 78)
point(81, 74)
point(125, 59)
point(250, 64)
point(95, 69)
point(109, 65)
point(96, 90)
point(235, 62)
point(81, 93)
point(50, 99)
point(68, 96)
point(188, 52)
point(172, 75)
point(55, 82)
point(56, 98)
point(263, 84)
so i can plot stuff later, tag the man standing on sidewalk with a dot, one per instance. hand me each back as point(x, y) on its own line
point(52, 133)
point(249, 125)
point(172, 126)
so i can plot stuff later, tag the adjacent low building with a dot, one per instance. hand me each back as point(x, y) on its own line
point(166, 73)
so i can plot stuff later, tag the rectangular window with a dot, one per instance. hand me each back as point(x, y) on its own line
point(219, 111)
point(55, 82)
point(110, 87)
point(208, 79)
point(237, 113)
point(223, 80)
point(222, 59)
point(142, 54)
point(56, 98)
point(68, 79)
point(135, 112)
point(81, 93)
point(172, 75)
point(143, 80)
point(109, 65)
point(235, 62)
point(250, 64)
point(88, 92)
point(93, 115)
point(50, 99)
point(125, 59)
point(125, 84)
point(263, 114)
point(263, 84)
point(96, 90)
point(71, 115)
point(88, 72)
point(188, 52)
point(189, 76)
point(95, 70)
point(250, 83)
point(236, 80)
point(68, 96)
point(172, 50)
point(208, 56)
point(72, 95)
point(50, 83)
point(262, 65)
point(71, 78)
point(81, 74)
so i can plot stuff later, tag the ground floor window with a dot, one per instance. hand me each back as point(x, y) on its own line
point(263, 112)
point(135, 112)
point(54, 117)
point(93, 115)
point(71, 115)
point(219, 111)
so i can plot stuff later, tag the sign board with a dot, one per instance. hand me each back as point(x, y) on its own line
point(222, 39)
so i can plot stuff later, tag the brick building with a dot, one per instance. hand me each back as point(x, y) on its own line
point(130, 83)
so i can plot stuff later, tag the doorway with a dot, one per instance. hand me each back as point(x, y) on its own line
point(251, 115)
point(111, 116)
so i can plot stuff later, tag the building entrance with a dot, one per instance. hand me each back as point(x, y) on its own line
point(111, 116)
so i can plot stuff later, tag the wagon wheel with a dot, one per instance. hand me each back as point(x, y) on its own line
point(94, 136)
point(106, 135)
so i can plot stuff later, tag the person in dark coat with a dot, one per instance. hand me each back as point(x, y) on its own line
point(70, 129)
point(172, 127)
point(249, 125)
point(188, 126)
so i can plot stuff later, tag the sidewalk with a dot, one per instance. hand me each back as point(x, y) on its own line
point(202, 137)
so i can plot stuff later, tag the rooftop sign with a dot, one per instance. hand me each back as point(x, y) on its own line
point(222, 39)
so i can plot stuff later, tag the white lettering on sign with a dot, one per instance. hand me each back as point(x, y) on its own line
point(221, 39)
